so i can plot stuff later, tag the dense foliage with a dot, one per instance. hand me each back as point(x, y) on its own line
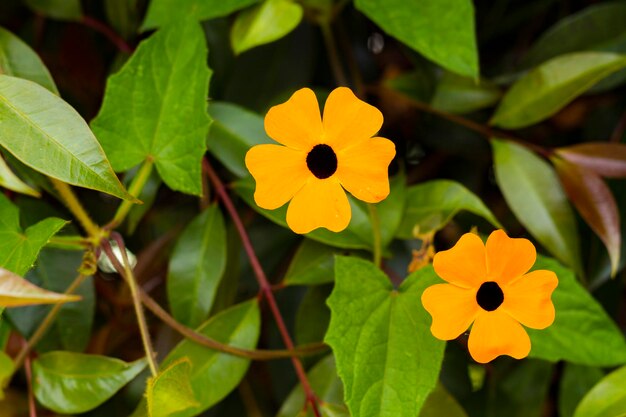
point(138, 276)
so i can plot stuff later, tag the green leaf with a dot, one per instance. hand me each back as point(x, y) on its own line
point(147, 196)
point(6, 370)
point(594, 200)
point(356, 236)
point(19, 60)
point(386, 357)
point(59, 142)
point(11, 181)
point(576, 381)
point(313, 315)
point(523, 391)
point(389, 210)
point(313, 264)
point(19, 248)
point(197, 267)
point(533, 192)
point(440, 403)
point(429, 27)
point(72, 383)
point(607, 398)
point(57, 9)
point(548, 88)
point(155, 108)
point(215, 374)
point(324, 382)
point(599, 27)
point(164, 12)
point(124, 16)
point(431, 205)
point(582, 332)
point(170, 391)
point(233, 132)
point(264, 23)
point(456, 94)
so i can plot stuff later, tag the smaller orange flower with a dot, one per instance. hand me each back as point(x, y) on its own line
point(490, 286)
point(320, 158)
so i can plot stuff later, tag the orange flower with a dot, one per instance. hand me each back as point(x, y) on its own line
point(321, 158)
point(488, 285)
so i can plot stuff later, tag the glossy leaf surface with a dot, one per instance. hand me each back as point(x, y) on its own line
point(605, 159)
point(170, 391)
point(59, 143)
point(196, 267)
point(165, 12)
point(534, 194)
point(71, 383)
point(427, 26)
point(607, 398)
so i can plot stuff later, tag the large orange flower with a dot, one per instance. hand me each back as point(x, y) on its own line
point(320, 158)
point(490, 286)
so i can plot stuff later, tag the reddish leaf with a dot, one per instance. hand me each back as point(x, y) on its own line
point(606, 159)
point(595, 203)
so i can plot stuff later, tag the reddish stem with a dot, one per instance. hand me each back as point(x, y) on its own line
point(32, 408)
point(618, 132)
point(109, 33)
point(265, 286)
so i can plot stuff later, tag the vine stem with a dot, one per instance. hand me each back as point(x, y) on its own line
point(265, 287)
point(134, 291)
point(375, 219)
point(109, 33)
point(136, 186)
point(77, 209)
point(44, 325)
point(32, 407)
point(333, 55)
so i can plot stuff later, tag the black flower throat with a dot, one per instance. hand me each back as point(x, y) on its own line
point(322, 161)
point(489, 296)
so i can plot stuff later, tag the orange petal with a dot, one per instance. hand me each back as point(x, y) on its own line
point(320, 203)
point(464, 264)
point(495, 333)
point(348, 120)
point(296, 123)
point(508, 258)
point(362, 169)
point(452, 308)
point(528, 299)
point(279, 173)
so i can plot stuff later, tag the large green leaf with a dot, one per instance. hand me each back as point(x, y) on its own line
point(522, 390)
point(19, 248)
point(598, 27)
point(441, 403)
point(456, 94)
point(264, 23)
point(72, 383)
point(533, 192)
point(164, 12)
point(12, 182)
point(233, 132)
point(196, 267)
point(48, 135)
point(170, 391)
point(57, 9)
point(155, 107)
point(19, 60)
point(214, 374)
point(548, 88)
point(607, 398)
point(386, 357)
point(324, 382)
point(429, 27)
point(6, 370)
point(582, 332)
point(431, 205)
point(576, 381)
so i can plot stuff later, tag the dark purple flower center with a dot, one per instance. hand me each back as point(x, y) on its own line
point(322, 161)
point(489, 296)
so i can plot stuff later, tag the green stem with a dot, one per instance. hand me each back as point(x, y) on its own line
point(69, 242)
point(333, 55)
point(136, 186)
point(134, 292)
point(378, 247)
point(77, 209)
point(44, 325)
